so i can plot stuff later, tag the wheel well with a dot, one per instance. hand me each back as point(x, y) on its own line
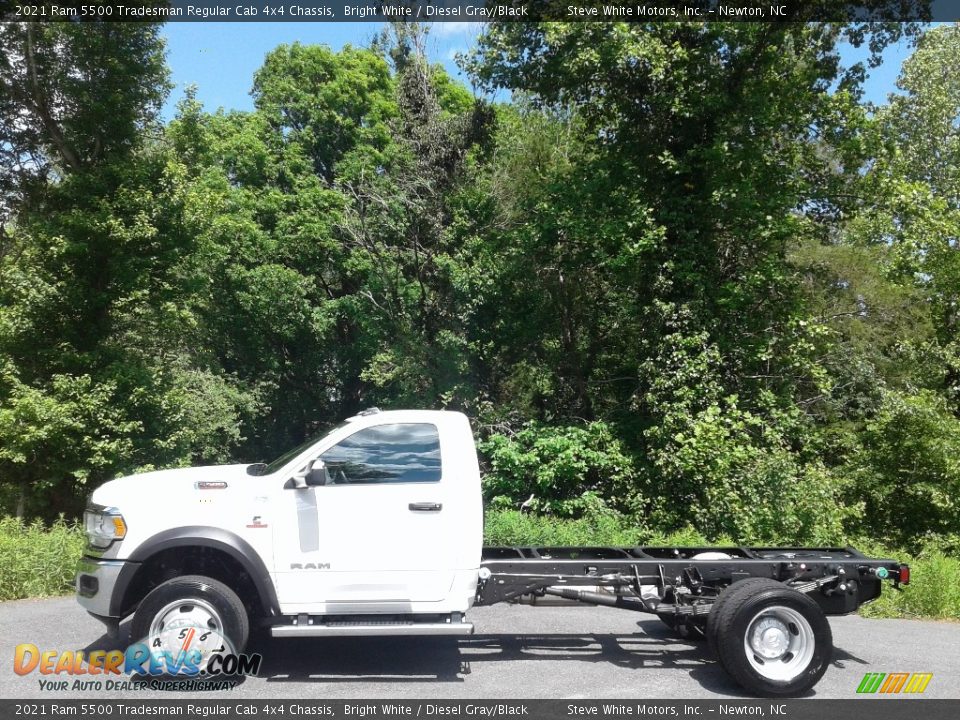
point(193, 560)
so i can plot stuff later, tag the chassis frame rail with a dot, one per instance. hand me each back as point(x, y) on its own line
point(839, 579)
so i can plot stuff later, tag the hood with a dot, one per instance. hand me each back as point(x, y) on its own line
point(165, 484)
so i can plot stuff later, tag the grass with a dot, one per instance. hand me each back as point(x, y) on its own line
point(510, 527)
point(40, 561)
point(934, 589)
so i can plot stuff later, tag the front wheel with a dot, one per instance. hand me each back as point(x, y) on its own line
point(771, 639)
point(186, 620)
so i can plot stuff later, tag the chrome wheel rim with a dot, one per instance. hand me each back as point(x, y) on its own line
point(779, 643)
point(187, 625)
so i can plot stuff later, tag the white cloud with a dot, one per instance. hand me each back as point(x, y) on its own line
point(449, 29)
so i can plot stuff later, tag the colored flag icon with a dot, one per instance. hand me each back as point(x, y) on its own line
point(894, 683)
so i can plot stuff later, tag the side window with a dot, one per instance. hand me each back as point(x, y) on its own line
point(400, 453)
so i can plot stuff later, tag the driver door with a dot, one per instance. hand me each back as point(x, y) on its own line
point(377, 532)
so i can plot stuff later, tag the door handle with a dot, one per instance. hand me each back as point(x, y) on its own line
point(425, 507)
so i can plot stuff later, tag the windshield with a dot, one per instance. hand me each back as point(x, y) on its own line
point(272, 467)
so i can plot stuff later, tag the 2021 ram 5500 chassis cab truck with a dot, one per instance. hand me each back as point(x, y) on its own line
point(376, 528)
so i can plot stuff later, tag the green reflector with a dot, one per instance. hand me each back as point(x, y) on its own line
point(882, 573)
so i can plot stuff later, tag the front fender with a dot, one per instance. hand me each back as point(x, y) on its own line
point(195, 536)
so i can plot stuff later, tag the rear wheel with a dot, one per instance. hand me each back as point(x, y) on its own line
point(771, 639)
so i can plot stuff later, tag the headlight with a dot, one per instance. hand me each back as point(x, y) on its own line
point(103, 525)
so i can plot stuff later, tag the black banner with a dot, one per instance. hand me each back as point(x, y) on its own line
point(876, 709)
point(481, 10)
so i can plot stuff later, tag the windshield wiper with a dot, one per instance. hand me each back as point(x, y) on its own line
point(256, 469)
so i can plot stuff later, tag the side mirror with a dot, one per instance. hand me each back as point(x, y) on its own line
point(314, 473)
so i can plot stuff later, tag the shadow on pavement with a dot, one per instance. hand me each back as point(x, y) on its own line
point(449, 659)
point(425, 659)
point(840, 655)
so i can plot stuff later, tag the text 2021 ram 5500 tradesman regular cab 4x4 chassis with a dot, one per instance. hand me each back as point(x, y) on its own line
point(376, 529)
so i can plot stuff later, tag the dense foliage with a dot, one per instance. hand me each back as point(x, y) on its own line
point(686, 276)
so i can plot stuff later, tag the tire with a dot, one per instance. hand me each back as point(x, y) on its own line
point(192, 601)
point(731, 593)
point(772, 640)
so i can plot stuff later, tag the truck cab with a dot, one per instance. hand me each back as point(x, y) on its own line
point(381, 514)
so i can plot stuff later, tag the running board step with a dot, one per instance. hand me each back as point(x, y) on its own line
point(354, 629)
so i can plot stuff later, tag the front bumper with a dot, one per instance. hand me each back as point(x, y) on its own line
point(95, 584)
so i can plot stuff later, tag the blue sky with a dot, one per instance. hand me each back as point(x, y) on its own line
point(220, 58)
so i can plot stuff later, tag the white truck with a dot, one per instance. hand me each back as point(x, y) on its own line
point(376, 527)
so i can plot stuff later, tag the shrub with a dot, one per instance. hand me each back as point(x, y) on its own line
point(36, 560)
point(510, 527)
point(732, 472)
point(908, 469)
point(933, 591)
point(569, 471)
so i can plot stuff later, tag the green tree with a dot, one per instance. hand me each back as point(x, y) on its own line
point(72, 97)
point(660, 229)
point(890, 280)
point(324, 214)
point(916, 184)
point(95, 329)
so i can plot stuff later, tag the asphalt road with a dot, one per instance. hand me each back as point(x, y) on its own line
point(573, 652)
